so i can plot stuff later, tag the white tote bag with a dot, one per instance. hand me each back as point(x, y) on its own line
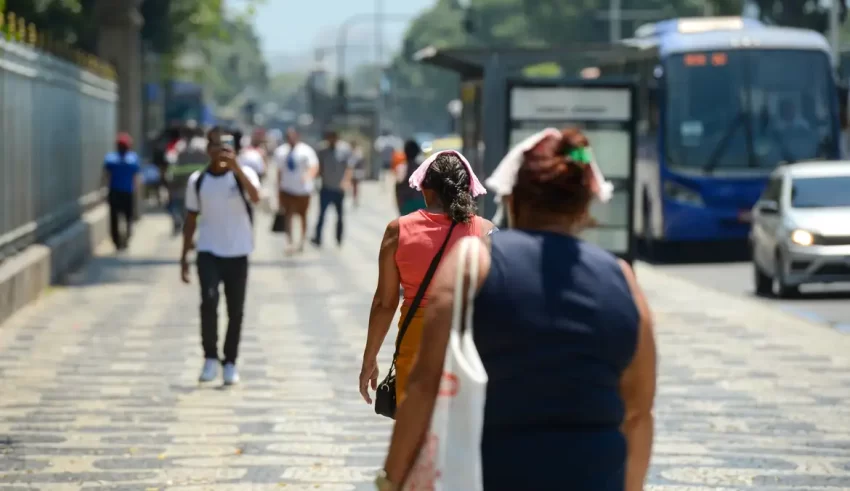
point(450, 457)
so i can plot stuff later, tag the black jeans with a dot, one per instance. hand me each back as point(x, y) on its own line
point(328, 197)
point(121, 203)
point(233, 272)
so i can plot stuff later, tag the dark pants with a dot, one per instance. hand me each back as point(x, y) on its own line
point(233, 272)
point(328, 197)
point(121, 203)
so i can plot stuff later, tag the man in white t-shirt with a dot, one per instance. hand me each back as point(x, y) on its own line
point(219, 205)
point(298, 166)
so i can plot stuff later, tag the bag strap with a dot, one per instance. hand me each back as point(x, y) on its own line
point(248, 207)
point(420, 294)
point(467, 263)
point(198, 187)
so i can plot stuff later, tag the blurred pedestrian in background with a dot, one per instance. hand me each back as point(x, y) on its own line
point(190, 159)
point(253, 155)
point(359, 170)
point(122, 175)
point(336, 171)
point(297, 168)
point(407, 198)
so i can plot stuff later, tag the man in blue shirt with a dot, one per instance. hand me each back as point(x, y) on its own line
point(121, 170)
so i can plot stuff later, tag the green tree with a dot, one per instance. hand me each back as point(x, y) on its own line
point(795, 13)
point(168, 24)
point(235, 62)
point(587, 20)
point(420, 93)
point(69, 21)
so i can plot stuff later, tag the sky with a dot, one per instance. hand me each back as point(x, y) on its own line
point(292, 30)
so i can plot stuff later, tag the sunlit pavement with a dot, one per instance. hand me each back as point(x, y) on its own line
point(98, 382)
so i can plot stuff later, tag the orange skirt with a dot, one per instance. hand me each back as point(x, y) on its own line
point(408, 350)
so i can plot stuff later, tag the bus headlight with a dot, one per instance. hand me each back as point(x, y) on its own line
point(802, 238)
point(675, 191)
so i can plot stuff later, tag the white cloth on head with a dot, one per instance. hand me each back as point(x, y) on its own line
point(503, 179)
point(418, 176)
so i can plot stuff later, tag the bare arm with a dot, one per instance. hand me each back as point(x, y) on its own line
point(189, 227)
point(247, 184)
point(384, 305)
point(385, 301)
point(637, 388)
point(414, 413)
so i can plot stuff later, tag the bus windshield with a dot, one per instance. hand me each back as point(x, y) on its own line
point(749, 109)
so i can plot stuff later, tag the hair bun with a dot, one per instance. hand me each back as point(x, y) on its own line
point(553, 180)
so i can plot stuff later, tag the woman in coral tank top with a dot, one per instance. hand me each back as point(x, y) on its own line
point(409, 245)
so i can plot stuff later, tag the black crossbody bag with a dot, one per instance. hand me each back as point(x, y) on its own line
point(385, 400)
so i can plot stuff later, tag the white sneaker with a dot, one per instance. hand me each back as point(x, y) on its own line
point(231, 375)
point(210, 370)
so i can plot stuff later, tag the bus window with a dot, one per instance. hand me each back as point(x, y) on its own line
point(749, 109)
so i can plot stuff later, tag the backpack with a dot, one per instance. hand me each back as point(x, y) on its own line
point(248, 206)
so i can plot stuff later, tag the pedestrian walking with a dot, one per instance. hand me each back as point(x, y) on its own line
point(359, 172)
point(190, 158)
point(336, 170)
point(407, 198)
point(561, 328)
point(409, 255)
point(219, 201)
point(250, 155)
point(297, 165)
point(122, 174)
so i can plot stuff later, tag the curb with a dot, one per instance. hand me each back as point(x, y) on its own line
point(25, 276)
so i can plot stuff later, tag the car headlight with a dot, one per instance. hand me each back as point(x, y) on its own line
point(802, 237)
point(677, 192)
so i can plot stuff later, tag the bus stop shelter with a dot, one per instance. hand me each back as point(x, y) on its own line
point(501, 106)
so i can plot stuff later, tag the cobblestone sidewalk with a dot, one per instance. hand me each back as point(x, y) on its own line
point(98, 380)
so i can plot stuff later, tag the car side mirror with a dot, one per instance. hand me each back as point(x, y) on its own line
point(768, 207)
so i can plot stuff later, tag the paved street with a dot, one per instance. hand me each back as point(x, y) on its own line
point(823, 303)
point(98, 380)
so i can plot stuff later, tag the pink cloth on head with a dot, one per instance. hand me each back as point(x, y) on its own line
point(475, 186)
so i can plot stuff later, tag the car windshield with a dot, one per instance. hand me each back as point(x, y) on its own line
point(820, 192)
point(749, 108)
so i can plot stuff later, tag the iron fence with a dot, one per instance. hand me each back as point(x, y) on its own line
point(58, 121)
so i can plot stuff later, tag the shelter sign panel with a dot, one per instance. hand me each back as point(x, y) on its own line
point(605, 113)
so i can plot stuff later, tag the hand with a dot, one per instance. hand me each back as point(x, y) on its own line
point(346, 185)
point(184, 271)
point(368, 376)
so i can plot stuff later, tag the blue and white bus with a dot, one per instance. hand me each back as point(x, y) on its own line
point(723, 102)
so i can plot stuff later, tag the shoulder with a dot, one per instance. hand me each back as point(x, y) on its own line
point(391, 236)
point(111, 157)
point(486, 227)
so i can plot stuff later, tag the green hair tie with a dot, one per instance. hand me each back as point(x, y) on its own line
point(581, 155)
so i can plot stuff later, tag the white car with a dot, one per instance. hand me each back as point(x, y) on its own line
point(801, 228)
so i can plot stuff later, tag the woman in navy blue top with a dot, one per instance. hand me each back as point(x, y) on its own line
point(563, 330)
